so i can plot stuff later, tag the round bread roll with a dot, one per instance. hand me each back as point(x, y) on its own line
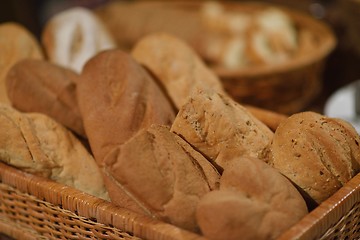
point(254, 202)
point(16, 43)
point(73, 36)
point(319, 154)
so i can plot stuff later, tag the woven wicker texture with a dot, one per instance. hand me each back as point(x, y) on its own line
point(43, 209)
point(287, 87)
point(54, 211)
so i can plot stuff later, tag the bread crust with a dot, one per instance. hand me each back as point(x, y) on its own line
point(318, 153)
point(117, 98)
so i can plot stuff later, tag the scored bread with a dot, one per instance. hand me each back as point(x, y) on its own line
point(37, 144)
point(155, 173)
point(216, 125)
point(319, 154)
point(117, 98)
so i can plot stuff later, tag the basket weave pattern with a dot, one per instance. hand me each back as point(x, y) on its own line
point(37, 208)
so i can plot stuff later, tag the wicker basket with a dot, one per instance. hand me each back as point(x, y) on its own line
point(286, 88)
point(37, 208)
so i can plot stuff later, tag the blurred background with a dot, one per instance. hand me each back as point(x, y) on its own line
point(343, 16)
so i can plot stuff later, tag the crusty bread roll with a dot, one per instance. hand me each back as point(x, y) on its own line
point(215, 124)
point(254, 202)
point(73, 36)
point(117, 98)
point(155, 174)
point(39, 86)
point(176, 65)
point(35, 143)
point(319, 154)
point(16, 43)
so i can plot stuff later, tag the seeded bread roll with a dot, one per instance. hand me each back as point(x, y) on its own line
point(71, 37)
point(39, 86)
point(254, 202)
point(35, 143)
point(215, 124)
point(16, 43)
point(155, 174)
point(117, 98)
point(319, 154)
point(177, 67)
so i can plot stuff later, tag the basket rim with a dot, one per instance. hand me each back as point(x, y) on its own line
point(88, 206)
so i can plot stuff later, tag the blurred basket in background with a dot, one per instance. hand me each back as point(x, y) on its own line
point(352, 21)
point(286, 87)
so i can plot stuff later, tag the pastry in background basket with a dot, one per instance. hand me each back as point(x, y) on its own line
point(117, 98)
point(37, 144)
point(73, 36)
point(247, 38)
point(319, 154)
point(40, 86)
point(216, 125)
point(254, 202)
point(158, 174)
point(16, 43)
point(176, 66)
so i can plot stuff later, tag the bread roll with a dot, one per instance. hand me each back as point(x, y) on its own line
point(73, 36)
point(178, 68)
point(215, 124)
point(154, 174)
point(37, 144)
point(254, 202)
point(319, 154)
point(39, 86)
point(16, 43)
point(117, 98)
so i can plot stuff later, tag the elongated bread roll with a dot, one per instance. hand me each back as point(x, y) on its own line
point(16, 43)
point(216, 125)
point(158, 174)
point(39, 86)
point(117, 98)
point(35, 143)
point(176, 65)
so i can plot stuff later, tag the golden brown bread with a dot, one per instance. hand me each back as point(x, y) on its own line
point(39, 145)
point(215, 125)
point(117, 98)
point(176, 65)
point(318, 153)
point(254, 202)
point(39, 86)
point(73, 36)
point(155, 174)
point(16, 43)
